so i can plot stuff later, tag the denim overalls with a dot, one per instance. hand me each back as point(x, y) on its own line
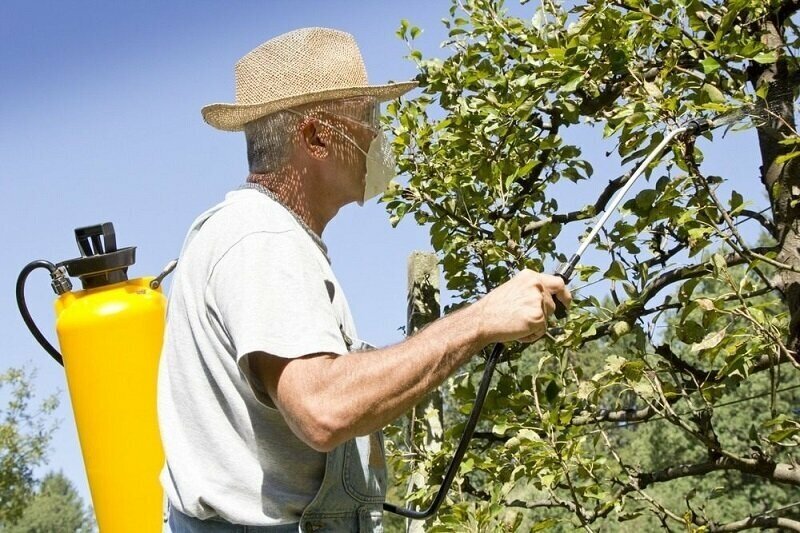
point(350, 498)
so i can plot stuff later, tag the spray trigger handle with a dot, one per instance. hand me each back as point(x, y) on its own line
point(561, 310)
point(564, 271)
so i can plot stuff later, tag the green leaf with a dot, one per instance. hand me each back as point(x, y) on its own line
point(467, 466)
point(551, 392)
point(705, 304)
point(719, 263)
point(585, 389)
point(690, 332)
point(401, 32)
point(710, 341)
point(709, 65)
point(633, 370)
point(544, 525)
point(737, 202)
point(794, 139)
point(615, 271)
point(572, 82)
point(781, 159)
point(623, 517)
point(783, 434)
point(586, 271)
point(713, 94)
point(766, 57)
point(614, 363)
point(619, 329)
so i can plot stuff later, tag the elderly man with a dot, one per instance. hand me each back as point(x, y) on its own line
point(266, 425)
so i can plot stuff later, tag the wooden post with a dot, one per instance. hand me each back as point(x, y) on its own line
point(423, 308)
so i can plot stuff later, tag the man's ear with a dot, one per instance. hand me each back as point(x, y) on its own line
point(314, 138)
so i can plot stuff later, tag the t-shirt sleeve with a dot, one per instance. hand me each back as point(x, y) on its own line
point(270, 296)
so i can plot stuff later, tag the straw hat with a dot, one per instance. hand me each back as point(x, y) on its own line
point(300, 67)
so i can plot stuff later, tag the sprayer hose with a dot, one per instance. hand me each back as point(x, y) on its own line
point(23, 307)
point(463, 443)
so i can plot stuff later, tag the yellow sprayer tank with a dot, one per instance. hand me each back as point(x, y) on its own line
point(110, 334)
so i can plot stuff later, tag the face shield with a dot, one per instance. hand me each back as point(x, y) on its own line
point(364, 113)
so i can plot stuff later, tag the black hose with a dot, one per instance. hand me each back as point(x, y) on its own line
point(463, 443)
point(23, 307)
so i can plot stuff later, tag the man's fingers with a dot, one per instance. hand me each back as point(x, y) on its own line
point(548, 305)
point(556, 287)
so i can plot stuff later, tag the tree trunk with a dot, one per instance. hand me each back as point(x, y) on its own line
point(782, 180)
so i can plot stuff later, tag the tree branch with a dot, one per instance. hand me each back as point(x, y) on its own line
point(490, 437)
point(787, 10)
point(765, 222)
point(548, 503)
point(581, 214)
point(632, 309)
point(604, 415)
point(700, 376)
point(758, 522)
point(761, 467)
point(763, 363)
point(728, 298)
point(689, 272)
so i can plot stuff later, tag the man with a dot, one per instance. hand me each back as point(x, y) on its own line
point(266, 425)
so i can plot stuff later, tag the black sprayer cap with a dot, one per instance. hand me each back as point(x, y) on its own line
point(100, 262)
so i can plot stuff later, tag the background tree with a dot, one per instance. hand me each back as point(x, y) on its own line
point(697, 319)
point(25, 435)
point(55, 508)
point(28, 505)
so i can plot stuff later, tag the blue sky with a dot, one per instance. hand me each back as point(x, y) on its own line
point(100, 105)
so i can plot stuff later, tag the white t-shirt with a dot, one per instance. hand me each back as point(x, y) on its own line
point(249, 279)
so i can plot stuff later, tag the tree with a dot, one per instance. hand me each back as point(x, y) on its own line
point(486, 151)
point(56, 508)
point(24, 437)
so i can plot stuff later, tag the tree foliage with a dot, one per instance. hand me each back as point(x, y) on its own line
point(55, 508)
point(25, 435)
point(29, 505)
point(616, 415)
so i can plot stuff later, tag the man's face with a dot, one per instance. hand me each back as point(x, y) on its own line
point(351, 138)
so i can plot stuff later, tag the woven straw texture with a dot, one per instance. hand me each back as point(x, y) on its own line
point(300, 67)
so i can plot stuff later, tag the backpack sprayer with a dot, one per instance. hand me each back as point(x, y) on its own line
point(565, 272)
point(110, 334)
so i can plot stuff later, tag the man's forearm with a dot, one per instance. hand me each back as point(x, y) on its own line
point(383, 384)
point(361, 392)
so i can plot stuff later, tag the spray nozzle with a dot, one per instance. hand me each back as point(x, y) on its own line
point(698, 125)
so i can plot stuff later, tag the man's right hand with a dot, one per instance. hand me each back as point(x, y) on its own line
point(518, 309)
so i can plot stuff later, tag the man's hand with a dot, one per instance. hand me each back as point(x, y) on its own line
point(518, 309)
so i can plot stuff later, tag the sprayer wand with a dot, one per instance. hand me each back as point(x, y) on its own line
point(564, 271)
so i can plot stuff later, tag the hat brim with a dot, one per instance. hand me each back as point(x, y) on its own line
point(233, 117)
